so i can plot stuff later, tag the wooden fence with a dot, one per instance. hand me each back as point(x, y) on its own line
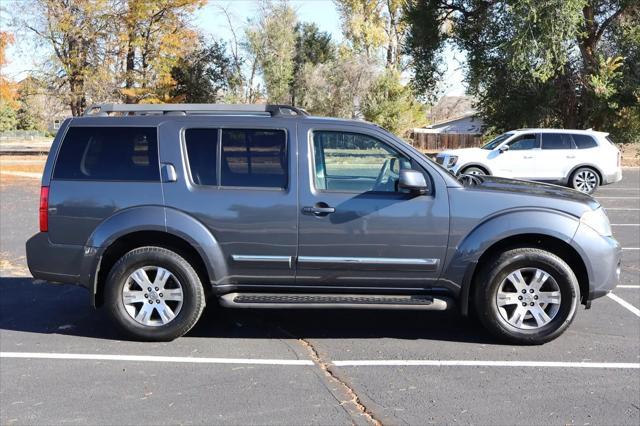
point(440, 141)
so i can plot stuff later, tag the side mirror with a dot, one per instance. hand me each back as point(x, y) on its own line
point(504, 148)
point(413, 180)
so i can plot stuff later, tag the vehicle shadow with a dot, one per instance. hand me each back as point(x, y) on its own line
point(32, 307)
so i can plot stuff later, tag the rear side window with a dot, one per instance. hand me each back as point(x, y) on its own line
point(556, 141)
point(109, 153)
point(254, 158)
point(202, 151)
point(584, 141)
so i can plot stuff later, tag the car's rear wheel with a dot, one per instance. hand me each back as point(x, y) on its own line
point(154, 294)
point(585, 179)
point(526, 296)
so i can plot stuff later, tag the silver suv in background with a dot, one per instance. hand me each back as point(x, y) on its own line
point(581, 159)
point(156, 209)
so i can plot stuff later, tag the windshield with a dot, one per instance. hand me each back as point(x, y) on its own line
point(497, 141)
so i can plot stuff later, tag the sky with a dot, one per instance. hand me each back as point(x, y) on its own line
point(23, 56)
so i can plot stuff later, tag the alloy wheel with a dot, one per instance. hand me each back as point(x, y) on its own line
point(152, 296)
point(528, 298)
point(585, 181)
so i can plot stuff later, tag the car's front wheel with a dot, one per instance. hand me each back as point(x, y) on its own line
point(473, 171)
point(154, 294)
point(526, 296)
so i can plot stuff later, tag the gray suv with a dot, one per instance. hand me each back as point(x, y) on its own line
point(156, 209)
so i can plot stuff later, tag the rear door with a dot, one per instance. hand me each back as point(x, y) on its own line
point(557, 156)
point(357, 228)
point(237, 177)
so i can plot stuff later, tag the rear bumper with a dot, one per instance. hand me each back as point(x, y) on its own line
point(60, 263)
point(612, 177)
point(602, 257)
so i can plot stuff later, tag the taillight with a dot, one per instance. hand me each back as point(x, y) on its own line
point(44, 209)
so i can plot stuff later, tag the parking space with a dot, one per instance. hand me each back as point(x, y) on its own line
point(323, 367)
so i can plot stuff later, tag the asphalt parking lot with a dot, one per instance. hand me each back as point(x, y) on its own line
point(61, 361)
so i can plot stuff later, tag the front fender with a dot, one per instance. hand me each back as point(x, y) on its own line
point(463, 257)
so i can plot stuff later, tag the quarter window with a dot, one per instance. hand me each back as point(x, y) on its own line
point(109, 153)
point(556, 141)
point(354, 162)
point(584, 141)
point(202, 149)
point(254, 158)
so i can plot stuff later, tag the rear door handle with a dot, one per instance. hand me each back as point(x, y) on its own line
point(528, 157)
point(571, 156)
point(318, 210)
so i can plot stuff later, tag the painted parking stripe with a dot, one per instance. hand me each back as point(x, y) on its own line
point(628, 286)
point(349, 363)
point(624, 304)
point(630, 248)
point(144, 358)
point(625, 224)
point(474, 363)
point(620, 209)
point(619, 198)
point(22, 174)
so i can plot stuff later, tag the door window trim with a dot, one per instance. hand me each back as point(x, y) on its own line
point(358, 131)
point(220, 129)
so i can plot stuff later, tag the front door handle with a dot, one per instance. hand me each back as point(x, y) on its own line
point(571, 156)
point(528, 157)
point(319, 210)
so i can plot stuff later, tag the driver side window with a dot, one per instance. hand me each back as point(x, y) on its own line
point(524, 142)
point(354, 162)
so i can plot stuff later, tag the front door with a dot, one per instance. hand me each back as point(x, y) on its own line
point(520, 160)
point(357, 229)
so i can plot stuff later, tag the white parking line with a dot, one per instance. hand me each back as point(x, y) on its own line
point(144, 358)
point(349, 363)
point(620, 208)
point(463, 363)
point(630, 248)
point(624, 304)
point(628, 286)
point(619, 198)
point(625, 224)
point(22, 174)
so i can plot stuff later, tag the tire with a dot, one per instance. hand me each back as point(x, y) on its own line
point(472, 170)
point(179, 292)
point(513, 322)
point(585, 180)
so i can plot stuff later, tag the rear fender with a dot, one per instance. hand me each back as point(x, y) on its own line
point(152, 218)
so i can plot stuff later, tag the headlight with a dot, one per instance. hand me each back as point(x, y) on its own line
point(453, 159)
point(598, 221)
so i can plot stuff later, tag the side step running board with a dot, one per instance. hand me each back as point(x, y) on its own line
point(334, 301)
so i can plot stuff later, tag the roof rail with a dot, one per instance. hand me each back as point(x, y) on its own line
point(268, 110)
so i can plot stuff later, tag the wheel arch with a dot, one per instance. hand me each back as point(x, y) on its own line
point(546, 242)
point(151, 225)
point(484, 167)
point(136, 239)
point(588, 166)
point(535, 227)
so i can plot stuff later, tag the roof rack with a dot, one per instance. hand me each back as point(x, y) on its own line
point(267, 110)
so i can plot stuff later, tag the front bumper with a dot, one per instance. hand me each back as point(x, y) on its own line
point(602, 257)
